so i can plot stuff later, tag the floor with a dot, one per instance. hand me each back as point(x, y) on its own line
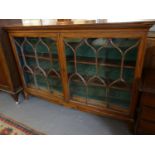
point(54, 119)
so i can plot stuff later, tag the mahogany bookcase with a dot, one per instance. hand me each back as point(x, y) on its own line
point(90, 67)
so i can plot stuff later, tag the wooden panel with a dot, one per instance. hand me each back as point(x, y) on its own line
point(148, 114)
point(150, 53)
point(148, 81)
point(13, 75)
point(146, 127)
point(3, 75)
point(148, 99)
point(9, 77)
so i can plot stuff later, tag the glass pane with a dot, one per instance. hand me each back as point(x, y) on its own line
point(119, 98)
point(77, 88)
point(29, 79)
point(39, 61)
point(41, 81)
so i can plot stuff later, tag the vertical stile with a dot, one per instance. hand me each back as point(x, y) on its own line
point(138, 73)
point(63, 66)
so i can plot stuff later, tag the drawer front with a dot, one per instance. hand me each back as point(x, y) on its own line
point(148, 114)
point(146, 127)
point(148, 99)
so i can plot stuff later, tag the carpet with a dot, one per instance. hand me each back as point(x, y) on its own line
point(8, 126)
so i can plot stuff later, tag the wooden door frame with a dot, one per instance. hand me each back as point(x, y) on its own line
point(33, 34)
point(141, 35)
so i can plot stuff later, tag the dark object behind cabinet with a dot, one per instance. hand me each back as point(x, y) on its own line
point(146, 115)
point(9, 76)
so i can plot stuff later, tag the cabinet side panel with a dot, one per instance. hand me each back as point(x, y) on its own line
point(13, 71)
point(138, 74)
point(4, 84)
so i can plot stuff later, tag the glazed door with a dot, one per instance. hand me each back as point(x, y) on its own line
point(101, 70)
point(38, 61)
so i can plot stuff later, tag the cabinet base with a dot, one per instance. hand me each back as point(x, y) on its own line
point(14, 94)
point(86, 108)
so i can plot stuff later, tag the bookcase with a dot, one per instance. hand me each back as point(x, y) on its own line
point(94, 67)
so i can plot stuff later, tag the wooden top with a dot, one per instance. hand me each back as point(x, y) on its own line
point(121, 25)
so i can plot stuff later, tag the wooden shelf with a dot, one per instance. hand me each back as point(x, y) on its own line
point(41, 56)
point(101, 62)
point(88, 60)
point(38, 73)
point(118, 86)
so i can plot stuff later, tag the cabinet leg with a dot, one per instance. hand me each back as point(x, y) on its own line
point(15, 97)
point(26, 95)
